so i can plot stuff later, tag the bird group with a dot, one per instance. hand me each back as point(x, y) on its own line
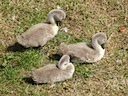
point(39, 34)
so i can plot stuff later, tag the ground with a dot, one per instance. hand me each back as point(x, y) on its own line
point(107, 77)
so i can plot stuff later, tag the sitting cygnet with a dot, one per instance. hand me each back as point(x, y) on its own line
point(90, 53)
point(54, 72)
point(39, 34)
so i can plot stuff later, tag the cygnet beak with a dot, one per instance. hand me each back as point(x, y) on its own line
point(103, 45)
point(57, 66)
point(59, 23)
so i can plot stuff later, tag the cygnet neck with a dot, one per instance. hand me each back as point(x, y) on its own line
point(96, 45)
point(51, 19)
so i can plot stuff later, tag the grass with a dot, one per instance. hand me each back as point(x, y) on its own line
point(108, 77)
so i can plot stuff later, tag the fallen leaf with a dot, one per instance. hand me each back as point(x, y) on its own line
point(122, 29)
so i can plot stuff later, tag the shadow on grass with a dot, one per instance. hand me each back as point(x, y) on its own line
point(55, 57)
point(72, 59)
point(1, 67)
point(18, 48)
point(29, 80)
point(78, 61)
point(75, 60)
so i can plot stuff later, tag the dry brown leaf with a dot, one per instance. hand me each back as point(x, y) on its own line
point(122, 29)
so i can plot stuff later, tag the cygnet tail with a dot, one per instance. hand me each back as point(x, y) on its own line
point(21, 40)
point(34, 76)
point(63, 48)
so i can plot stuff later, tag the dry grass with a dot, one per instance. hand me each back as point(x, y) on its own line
point(108, 77)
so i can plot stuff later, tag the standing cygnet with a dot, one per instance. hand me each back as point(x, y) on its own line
point(39, 34)
point(52, 73)
point(90, 53)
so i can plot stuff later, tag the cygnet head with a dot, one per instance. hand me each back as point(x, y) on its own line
point(101, 38)
point(56, 15)
point(64, 62)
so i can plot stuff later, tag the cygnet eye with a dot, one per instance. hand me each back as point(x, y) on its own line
point(104, 40)
point(65, 64)
point(99, 42)
point(61, 18)
point(22, 36)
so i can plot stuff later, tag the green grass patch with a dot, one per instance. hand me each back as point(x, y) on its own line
point(84, 18)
